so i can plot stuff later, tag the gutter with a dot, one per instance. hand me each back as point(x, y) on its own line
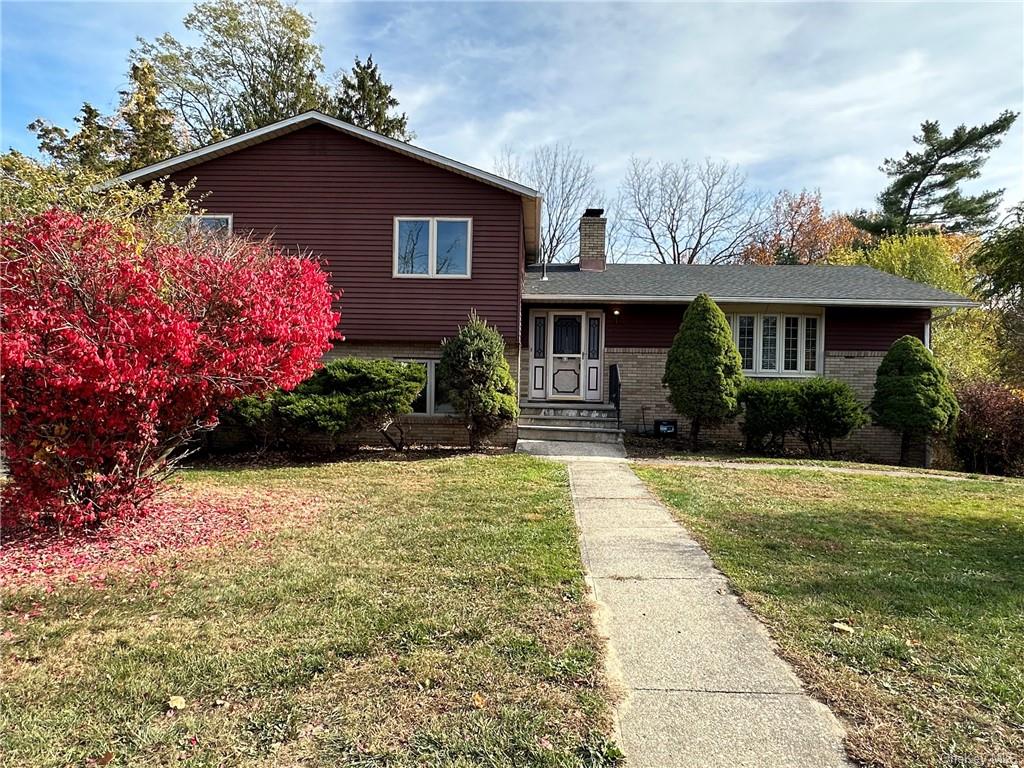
point(832, 302)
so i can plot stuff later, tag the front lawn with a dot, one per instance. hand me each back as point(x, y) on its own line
point(372, 614)
point(899, 600)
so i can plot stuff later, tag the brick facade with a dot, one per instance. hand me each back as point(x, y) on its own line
point(645, 399)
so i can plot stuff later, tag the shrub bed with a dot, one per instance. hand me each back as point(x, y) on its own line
point(818, 410)
point(342, 398)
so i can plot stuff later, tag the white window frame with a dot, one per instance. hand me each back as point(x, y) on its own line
point(780, 341)
point(431, 386)
point(432, 273)
point(196, 219)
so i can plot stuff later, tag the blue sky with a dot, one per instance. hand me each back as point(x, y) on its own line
point(808, 95)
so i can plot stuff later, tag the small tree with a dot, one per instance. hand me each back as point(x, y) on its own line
point(704, 371)
point(479, 381)
point(912, 394)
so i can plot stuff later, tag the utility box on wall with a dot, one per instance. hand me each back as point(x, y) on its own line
point(666, 427)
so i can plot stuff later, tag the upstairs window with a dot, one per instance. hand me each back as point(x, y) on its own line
point(432, 247)
point(217, 224)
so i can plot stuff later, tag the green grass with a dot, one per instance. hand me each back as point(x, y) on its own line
point(419, 613)
point(929, 573)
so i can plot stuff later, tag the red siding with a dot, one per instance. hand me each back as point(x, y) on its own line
point(336, 196)
point(871, 329)
point(640, 325)
point(636, 325)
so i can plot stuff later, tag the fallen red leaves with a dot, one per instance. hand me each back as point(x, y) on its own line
point(128, 545)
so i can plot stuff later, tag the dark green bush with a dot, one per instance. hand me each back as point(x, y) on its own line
point(343, 397)
point(480, 383)
point(827, 410)
point(769, 412)
point(912, 394)
point(703, 371)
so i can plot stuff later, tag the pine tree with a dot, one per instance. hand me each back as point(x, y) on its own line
point(97, 146)
point(704, 371)
point(149, 127)
point(364, 99)
point(925, 187)
point(912, 394)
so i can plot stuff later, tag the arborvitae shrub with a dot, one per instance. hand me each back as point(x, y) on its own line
point(704, 371)
point(913, 396)
point(479, 380)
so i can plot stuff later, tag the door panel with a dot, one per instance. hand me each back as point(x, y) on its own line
point(538, 369)
point(567, 356)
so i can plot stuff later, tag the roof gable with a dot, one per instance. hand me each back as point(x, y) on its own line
point(531, 198)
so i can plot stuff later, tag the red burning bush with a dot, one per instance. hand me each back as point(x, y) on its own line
point(117, 348)
point(990, 431)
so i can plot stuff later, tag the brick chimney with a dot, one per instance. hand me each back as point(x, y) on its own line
point(592, 236)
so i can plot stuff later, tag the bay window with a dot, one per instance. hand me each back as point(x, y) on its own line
point(432, 246)
point(774, 345)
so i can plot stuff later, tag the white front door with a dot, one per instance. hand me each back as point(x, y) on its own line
point(566, 354)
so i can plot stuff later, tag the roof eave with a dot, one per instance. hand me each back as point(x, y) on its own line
point(830, 302)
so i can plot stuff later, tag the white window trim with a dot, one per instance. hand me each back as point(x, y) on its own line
point(780, 341)
point(431, 273)
point(431, 387)
point(196, 218)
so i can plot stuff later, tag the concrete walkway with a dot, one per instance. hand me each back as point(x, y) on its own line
point(702, 684)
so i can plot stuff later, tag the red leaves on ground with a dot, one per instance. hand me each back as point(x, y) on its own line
point(129, 546)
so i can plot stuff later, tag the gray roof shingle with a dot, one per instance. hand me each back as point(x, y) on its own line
point(796, 284)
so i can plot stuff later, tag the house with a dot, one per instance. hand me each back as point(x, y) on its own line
point(417, 240)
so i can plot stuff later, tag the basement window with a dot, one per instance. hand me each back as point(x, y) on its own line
point(433, 398)
point(434, 246)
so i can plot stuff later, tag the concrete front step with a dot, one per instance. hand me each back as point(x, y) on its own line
point(569, 433)
point(603, 422)
point(596, 411)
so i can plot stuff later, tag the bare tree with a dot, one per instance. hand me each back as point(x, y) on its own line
point(689, 213)
point(566, 179)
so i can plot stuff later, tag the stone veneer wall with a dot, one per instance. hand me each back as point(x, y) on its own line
point(645, 399)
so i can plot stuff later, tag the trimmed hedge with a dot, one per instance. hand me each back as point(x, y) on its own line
point(343, 397)
point(770, 412)
point(818, 410)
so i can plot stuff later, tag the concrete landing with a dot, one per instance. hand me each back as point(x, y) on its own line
point(571, 449)
point(703, 686)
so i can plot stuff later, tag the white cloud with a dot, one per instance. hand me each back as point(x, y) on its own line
point(801, 95)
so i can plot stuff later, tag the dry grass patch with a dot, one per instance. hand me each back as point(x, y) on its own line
point(388, 614)
point(928, 573)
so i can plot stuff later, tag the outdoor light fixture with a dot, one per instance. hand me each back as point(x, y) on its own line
point(616, 312)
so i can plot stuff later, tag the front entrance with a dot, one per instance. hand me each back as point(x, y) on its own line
point(566, 353)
